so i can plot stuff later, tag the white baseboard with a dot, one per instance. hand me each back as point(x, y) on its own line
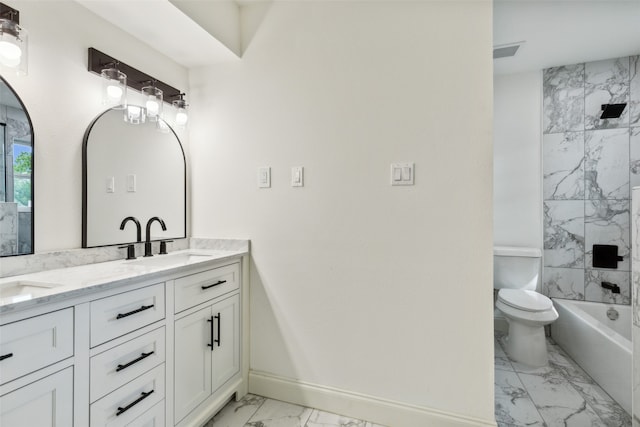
point(356, 405)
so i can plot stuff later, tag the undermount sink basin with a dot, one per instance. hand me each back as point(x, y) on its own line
point(25, 289)
point(180, 258)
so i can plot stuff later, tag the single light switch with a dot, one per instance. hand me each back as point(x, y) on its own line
point(402, 174)
point(297, 176)
point(131, 183)
point(110, 184)
point(264, 177)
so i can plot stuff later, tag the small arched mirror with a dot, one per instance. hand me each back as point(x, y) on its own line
point(16, 175)
point(133, 170)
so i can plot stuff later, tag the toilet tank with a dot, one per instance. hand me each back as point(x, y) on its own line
point(516, 267)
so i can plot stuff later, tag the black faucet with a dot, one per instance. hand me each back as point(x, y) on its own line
point(135, 220)
point(147, 242)
point(615, 289)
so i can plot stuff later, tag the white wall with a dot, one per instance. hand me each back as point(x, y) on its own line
point(62, 98)
point(357, 285)
point(517, 163)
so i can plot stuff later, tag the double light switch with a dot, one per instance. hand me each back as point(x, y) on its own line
point(402, 174)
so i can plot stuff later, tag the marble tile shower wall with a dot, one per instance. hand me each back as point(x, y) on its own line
point(8, 228)
point(589, 168)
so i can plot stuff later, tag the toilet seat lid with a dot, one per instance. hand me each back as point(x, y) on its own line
point(525, 299)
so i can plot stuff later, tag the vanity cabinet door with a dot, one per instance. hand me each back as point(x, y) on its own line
point(192, 361)
point(226, 352)
point(46, 402)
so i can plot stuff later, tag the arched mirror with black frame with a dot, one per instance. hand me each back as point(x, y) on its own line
point(131, 170)
point(16, 175)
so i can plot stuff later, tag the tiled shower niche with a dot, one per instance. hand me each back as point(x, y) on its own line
point(589, 168)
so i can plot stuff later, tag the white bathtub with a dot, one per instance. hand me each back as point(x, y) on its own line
point(602, 347)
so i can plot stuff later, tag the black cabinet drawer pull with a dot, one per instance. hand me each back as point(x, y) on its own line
point(143, 308)
point(218, 340)
point(219, 282)
point(211, 330)
point(126, 365)
point(143, 396)
point(6, 356)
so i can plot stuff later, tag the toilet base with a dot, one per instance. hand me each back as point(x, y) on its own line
point(526, 344)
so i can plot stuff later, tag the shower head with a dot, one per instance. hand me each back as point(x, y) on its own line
point(612, 111)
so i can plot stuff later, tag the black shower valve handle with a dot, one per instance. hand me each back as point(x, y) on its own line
point(614, 288)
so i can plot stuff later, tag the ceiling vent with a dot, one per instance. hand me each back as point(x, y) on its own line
point(506, 50)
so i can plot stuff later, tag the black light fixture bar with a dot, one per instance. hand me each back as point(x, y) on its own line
point(136, 79)
point(7, 12)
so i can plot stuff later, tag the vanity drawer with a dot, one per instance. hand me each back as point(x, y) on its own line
point(120, 314)
point(126, 404)
point(154, 417)
point(36, 342)
point(200, 287)
point(119, 365)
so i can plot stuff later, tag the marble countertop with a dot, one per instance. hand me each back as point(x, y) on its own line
point(29, 290)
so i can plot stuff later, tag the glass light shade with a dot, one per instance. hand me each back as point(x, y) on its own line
point(13, 47)
point(134, 114)
point(181, 117)
point(153, 102)
point(114, 88)
point(181, 113)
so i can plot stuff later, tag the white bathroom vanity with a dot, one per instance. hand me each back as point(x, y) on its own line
point(156, 341)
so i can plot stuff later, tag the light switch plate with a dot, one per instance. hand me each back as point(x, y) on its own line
point(264, 177)
point(110, 184)
point(131, 183)
point(297, 176)
point(402, 174)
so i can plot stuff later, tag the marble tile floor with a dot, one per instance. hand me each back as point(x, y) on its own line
point(257, 411)
point(560, 394)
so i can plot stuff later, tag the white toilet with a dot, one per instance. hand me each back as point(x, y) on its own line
point(516, 272)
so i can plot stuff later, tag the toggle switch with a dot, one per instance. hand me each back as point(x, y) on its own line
point(110, 184)
point(297, 176)
point(131, 183)
point(264, 177)
point(397, 174)
point(406, 173)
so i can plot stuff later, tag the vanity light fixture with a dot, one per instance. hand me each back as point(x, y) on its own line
point(114, 87)
point(181, 112)
point(13, 41)
point(153, 90)
point(153, 101)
